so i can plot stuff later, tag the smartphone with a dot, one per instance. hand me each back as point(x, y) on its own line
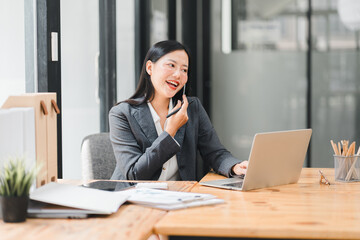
point(111, 186)
point(172, 113)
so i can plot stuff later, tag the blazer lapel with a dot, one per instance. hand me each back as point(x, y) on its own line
point(143, 116)
point(179, 136)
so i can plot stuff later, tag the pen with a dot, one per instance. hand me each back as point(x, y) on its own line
point(190, 199)
point(172, 113)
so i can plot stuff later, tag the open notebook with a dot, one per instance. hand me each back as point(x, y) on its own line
point(69, 201)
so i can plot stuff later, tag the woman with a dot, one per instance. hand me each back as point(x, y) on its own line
point(150, 146)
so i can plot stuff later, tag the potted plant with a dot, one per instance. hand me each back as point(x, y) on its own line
point(15, 183)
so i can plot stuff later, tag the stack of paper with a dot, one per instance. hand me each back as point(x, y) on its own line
point(169, 200)
point(55, 200)
point(92, 200)
point(17, 138)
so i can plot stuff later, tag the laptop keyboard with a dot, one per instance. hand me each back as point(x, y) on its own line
point(234, 184)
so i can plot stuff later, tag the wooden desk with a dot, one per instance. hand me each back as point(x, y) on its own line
point(303, 210)
point(130, 222)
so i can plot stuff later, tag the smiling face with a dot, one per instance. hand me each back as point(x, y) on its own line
point(169, 73)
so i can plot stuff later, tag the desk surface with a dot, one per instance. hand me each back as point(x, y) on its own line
point(303, 210)
point(130, 222)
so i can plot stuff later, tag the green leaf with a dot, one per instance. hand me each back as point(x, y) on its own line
point(26, 185)
point(7, 189)
point(16, 180)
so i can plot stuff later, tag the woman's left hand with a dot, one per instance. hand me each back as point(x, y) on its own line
point(240, 168)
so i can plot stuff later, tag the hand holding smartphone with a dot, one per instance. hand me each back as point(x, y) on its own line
point(172, 113)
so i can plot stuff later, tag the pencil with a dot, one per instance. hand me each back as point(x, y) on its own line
point(350, 150)
point(353, 150)
point(334, 147)
point(345, 148)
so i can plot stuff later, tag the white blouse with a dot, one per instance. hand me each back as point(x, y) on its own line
point(170, 169)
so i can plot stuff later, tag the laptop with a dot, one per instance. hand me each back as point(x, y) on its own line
point(276, 158)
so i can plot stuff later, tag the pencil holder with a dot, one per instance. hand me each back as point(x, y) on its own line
point(347, 169)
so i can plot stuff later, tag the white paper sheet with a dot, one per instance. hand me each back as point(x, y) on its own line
point(17, 135)
point(169, 200)
point(99, 201)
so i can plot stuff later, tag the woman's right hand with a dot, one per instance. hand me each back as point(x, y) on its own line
point(177, 120)
point(240, 168)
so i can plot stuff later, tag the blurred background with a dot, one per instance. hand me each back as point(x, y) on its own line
point(257, 65)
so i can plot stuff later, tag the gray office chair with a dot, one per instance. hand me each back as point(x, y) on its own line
point(98, 159)
point(97, 156)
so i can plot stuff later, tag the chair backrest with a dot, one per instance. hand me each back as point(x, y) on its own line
point(97, 156)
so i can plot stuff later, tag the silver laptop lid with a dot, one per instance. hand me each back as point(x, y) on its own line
point(276, 158)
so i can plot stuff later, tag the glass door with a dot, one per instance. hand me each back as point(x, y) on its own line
point(80, 101)
point(335, 75)
point(258, 69)
point(80, 72)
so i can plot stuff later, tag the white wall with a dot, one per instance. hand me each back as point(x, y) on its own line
point(12, 48)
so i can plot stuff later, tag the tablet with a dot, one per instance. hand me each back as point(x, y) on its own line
point(110, 185)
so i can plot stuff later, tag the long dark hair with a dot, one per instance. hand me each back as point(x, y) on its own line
point(145, 90)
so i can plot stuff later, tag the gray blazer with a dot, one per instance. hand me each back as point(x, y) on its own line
point(140, 152)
